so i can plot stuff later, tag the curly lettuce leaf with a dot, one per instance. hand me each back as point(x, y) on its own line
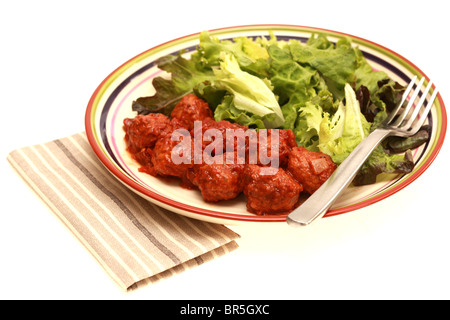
point(336, 63)
point(163, 101)
point(251, 94)
point(185, 75)
point(365, 75)
point(288, 77)
point(209, 93)
point(382, 162)
point(310, 116)
point(252, 55)
point(293, 83)
point(308, 126)
point(341, 132)
point(228, 111)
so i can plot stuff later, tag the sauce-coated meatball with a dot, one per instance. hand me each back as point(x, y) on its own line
point(190, 109)
point(270, 193)
point(219, 180)
point(144, 130)
point(172, 157)
point(310, 168)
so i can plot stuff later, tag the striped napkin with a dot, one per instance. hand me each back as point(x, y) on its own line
point(135, 241)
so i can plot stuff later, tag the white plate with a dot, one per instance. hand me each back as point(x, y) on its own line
point(111, 103)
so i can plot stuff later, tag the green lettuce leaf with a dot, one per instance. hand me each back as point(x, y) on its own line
point(365, 75)
point(382, 162)
point(308, 126)
point(292, 83)
point(186, 74)
point(336, 63)
point(288, 77)
point(310, 117)
point(163, 101)
point(250, 93)
point(341, 132)
point(228, 111)
point(251, 55)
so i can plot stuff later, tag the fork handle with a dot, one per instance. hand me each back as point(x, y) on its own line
point(322, 199)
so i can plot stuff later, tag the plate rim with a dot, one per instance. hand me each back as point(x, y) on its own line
point(211, 214)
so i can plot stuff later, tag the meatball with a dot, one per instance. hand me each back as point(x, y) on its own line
point(190, 109)
point(276, 192)
point(218, 136)
point(144, 130)
point(286, 141)
point(217, 180)
point(310, 168)
point(172, 157)
point(144, 157)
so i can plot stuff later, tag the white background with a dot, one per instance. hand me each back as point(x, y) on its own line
point(54, 54)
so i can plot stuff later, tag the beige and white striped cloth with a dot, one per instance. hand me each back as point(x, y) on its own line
point(135, 241)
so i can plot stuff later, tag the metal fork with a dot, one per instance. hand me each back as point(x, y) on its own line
point(398, 123)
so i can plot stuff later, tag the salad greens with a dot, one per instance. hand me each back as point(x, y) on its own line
point(326, 93)
point(250, 94)
point(341, 132)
